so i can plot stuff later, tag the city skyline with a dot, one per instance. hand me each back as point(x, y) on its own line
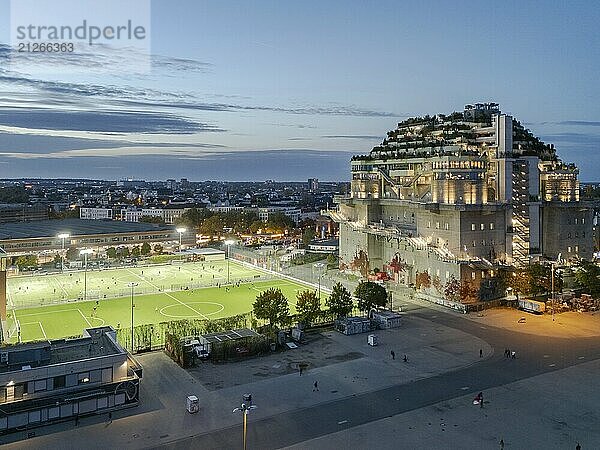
point(287, 92)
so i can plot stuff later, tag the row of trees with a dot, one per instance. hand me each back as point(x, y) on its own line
point(273, 307)
point(214, 223)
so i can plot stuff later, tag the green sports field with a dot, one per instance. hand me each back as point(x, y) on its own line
point(41, 290)
point(69, 318)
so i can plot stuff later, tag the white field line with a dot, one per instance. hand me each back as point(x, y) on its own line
point(85, 318)
point(50, 312)
point(170, 296)
point(43, 331)
point(60, 285)
point(38, 324)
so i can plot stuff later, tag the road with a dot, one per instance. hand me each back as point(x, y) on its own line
point(535, 355)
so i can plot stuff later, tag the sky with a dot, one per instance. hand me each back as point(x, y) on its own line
point(240, 90)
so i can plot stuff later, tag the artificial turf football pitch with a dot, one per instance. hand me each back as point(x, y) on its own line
point(163, 293)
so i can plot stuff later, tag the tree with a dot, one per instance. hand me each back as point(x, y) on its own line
point(13, 194)
point(332, 261)
point(278, 222)
point(468, 292)
point(136, 252)
point(422, 280)
point(272, 305)
point(370, 295)
point(308, 306)
point(340, 301)
point(111, 252)
point(213, 226)
point(588, 277)
point(145, 249)
point(452, 290)
point(158, 249)
point(72, 254)
point(307, 236)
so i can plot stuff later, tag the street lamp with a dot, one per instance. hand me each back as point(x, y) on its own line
point(132, 285)
point(319, 266)
point(553, 264)
point(228, 243)
point(244, 408)
point(85, 252)
point(180, 230)
point(62, 237)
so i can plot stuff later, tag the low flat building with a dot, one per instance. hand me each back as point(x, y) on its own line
point(45, 382)
point(20, 238)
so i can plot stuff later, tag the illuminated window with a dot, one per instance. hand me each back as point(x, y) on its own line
point(473, 275)
point(472, 227)
point(492, 226)
point(482, 226)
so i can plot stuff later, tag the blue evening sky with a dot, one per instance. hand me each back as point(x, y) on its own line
point(289, 90)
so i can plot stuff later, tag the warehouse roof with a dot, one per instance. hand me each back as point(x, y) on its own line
point(75, 227)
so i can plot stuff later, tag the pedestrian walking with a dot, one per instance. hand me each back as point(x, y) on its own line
point(578, 447)
point(480, 353)
point(393, 354)
point(300, 367)
point(405, 358)
point(481, 400)
point(110, 417)
point(316, 386)
point(501, 444)
point(513, 354)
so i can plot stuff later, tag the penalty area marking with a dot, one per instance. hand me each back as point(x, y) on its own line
point(170, 296)
point(174, 316)
point(40, 325)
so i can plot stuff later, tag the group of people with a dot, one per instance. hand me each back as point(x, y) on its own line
point(508, 353)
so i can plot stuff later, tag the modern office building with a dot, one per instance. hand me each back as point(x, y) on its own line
point(460, 197)
point(46, 382)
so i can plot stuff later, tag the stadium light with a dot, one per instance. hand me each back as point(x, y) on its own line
point(245, 408)
point(180, 230)
point(132, 285)
point(228, 243)
point(62, 237)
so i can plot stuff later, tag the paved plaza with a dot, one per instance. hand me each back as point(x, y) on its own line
point(545, 398)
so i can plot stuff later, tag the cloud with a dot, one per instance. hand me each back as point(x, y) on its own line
point(583, 140)
point(289, 164)
point(15, 144)
point(351, 136)
point(102, 121)
point(584, 123)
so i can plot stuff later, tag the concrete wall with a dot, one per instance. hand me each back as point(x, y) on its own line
point(567, 229)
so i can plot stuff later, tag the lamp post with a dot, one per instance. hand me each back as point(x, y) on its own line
point(85, 252)
point(553, 265)
point(228, 243)
point(319, 266)
point(132, 285)
point(244, 408)
point(180, 230)
point(62, 237)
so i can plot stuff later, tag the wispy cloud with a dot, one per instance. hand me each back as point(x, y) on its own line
point(102, 121)
point(352, 136)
